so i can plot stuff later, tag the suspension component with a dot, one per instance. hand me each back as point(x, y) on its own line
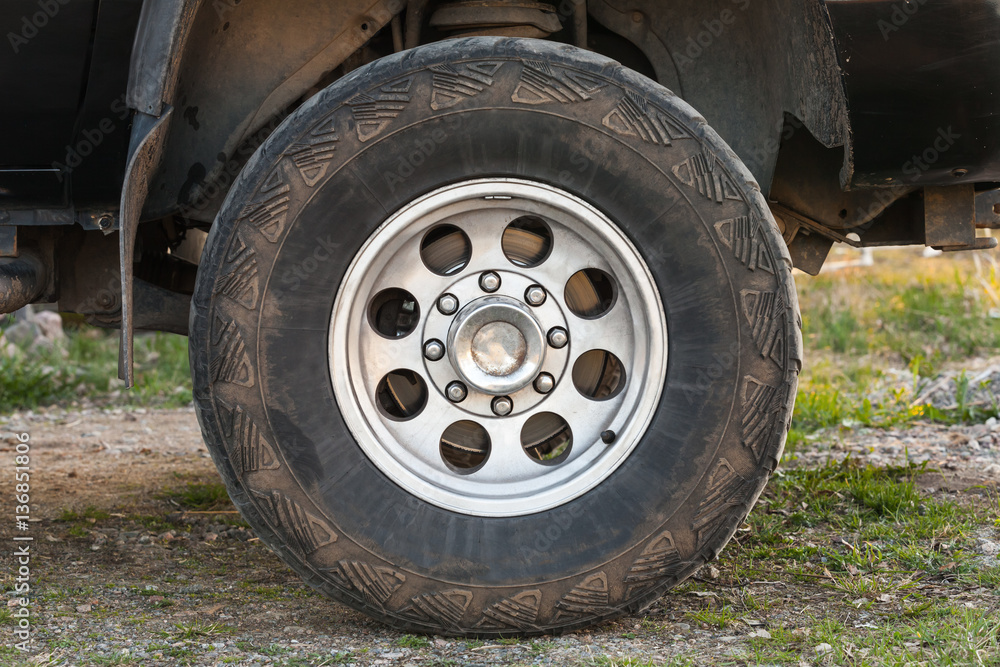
point(497, 17)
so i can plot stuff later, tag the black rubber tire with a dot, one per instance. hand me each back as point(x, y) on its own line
point(397, 129)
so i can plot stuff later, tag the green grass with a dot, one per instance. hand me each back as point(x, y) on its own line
point(930, 310)
point(888, 535)
point(86, 364)
point(202, 497)
point(413, 641)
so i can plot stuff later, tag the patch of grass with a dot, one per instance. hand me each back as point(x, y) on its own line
point(413, 641)
point(886, 531)
point(271, 650)
point(907, 311)
point(203, 497)
point(86, 364)
point(916, 308)
point(90, 513)
point(78, 532)
point(716, 618)
point(117, 658)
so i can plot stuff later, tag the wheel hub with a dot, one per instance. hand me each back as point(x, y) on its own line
point(496, 345)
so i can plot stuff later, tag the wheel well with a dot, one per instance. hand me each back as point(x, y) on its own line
point(246, 65)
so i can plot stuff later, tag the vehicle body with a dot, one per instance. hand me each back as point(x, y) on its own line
point(865, 122)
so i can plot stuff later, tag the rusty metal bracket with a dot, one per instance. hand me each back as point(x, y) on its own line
point(813, 226)
point(950, 216)
point(147, 149)
point(950, 219)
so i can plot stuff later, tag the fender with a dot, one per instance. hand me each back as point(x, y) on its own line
point(159, 40)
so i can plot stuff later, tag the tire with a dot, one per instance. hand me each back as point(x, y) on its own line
point(563, 126)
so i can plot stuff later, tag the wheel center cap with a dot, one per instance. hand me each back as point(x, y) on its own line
point(495, 345)
point(499, 348)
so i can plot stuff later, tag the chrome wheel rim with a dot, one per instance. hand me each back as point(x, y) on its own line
point(498, 347)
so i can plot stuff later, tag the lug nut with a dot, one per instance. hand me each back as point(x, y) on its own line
point(456, 392)
point(433, 350)
point(489, 281)
point(535, 295)
point(608, 437)
point(447, 304)
point(502, 406)
point(558, 338)
point(545, 383)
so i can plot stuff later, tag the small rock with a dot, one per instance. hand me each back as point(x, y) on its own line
point(395, 655)
point(145, 539)
point(712, 572)
point(211, 537)
point(761, 633)
point(987, 547)
point(293, 630)
point(22, 333)
point(50, 324)
point(84, 608)
point(823, 649)
point(683, 627)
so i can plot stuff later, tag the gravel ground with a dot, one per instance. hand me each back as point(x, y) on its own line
point(130, 578)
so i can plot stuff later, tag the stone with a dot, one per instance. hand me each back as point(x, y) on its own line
point(823, 649)
point(23, 333)
point(50, 325)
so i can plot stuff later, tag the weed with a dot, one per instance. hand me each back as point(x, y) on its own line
point(203, 497)
point(413, 641)
point(197, 629)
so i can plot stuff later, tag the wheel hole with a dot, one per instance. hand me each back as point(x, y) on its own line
point(401, 395)
point(599, 375)
point(446, 250)
point(394, 313)
point(547, 438)
point(527, 241)
point(590, 293)
point(465, 446)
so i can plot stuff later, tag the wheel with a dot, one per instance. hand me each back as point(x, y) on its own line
point(495, 337)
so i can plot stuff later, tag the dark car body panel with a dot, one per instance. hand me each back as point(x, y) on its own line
point(914, 71)
point(63, 72)
point(923, 89)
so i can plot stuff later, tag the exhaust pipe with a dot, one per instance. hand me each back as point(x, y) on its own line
point(22, 281)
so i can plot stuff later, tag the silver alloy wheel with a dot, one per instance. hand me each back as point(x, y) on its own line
point(550, 447)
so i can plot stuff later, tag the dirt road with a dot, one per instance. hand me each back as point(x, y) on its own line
point(123, 572)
